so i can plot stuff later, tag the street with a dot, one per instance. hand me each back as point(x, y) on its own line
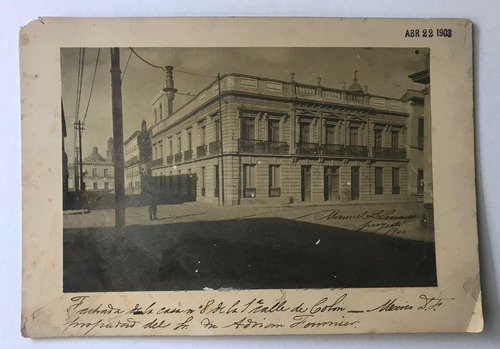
point(194, 247)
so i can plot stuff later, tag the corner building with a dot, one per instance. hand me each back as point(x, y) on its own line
point(288, 142)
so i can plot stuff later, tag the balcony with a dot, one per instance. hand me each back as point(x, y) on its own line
point(177, 158)
point(157, 162)
point(201, 151)
point(388, 153)
point(262, 147)
point(274, 192)
point(170, 160)
point(356, 151)
point(332, 150)
point(307, 148)
point(132, 161)
point(214, 148)
point(188, 155)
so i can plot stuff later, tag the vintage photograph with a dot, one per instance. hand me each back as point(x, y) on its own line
point(246, 168)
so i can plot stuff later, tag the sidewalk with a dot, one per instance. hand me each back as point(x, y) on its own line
point(393, 219)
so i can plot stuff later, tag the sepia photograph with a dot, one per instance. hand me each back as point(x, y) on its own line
point(262, 180)
point(238, 168)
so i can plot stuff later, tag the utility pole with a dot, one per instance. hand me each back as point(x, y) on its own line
point(220, 133)
point(76, 169)
point(78, 157)
point(116, 93)
point(80, 129)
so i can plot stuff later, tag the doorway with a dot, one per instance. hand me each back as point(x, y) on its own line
point(306, 183)
point(331, 183)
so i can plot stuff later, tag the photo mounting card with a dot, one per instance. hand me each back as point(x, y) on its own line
point(248, 176)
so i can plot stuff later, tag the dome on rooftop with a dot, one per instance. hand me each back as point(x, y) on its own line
point(355, 87)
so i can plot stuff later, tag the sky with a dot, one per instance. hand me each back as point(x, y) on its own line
point(384, 70)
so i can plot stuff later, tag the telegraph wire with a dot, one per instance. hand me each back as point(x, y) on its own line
point(142, 59)
point(126, 65)
point(91, 86)
point(204, 75)
point(164, 69)
point(79, 100)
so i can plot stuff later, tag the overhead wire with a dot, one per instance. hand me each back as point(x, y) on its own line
point(126, 65)
point(92, 85)
point(164, 68)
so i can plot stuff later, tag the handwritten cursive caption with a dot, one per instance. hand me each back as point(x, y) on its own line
point(85, 318)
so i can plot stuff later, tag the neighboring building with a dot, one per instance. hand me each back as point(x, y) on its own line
point(423, 77)
point(137, 154)
point(287, 142)
point(98, 171)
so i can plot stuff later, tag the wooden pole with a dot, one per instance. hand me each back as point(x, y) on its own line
point(116, 93)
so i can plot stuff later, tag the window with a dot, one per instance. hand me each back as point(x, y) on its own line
point(106, 172)
point(395, 139)
point(273, 132)
point(136, 184)
point(395, 180)
point(354, 132)
point(189, 141)
point(217, 129)
point(248, 128)
point(378, 138)
point(161, 150)
point(202, 180)
point(274, 181)
point(330, 134)
point(379, 182)
point(106, 185)
point(170, 147)
point(179, 144)
point(249, 190)
point(202, 135)
point(95, 185)
point(94, 172)
point(161, 112)
point(305, 133)
point(129, 184)
point(420, 134)
point(420, 181)
point(156, 117)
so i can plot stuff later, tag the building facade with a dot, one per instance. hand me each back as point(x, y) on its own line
point(98, 172)
point(137, 154)
point(252, 140)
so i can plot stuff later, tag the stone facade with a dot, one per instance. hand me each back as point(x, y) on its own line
point(285, 142)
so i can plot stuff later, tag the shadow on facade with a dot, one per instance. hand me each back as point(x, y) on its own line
point(260, 253)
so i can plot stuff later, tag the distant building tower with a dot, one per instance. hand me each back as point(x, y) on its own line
point(109, 152)
point(170, 90)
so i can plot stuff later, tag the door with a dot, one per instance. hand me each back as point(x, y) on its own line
point(216, 184)
point(355, 183)
point(332, 183)
point(306, 183)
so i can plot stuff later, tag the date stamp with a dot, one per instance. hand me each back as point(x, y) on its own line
point(428, 33)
